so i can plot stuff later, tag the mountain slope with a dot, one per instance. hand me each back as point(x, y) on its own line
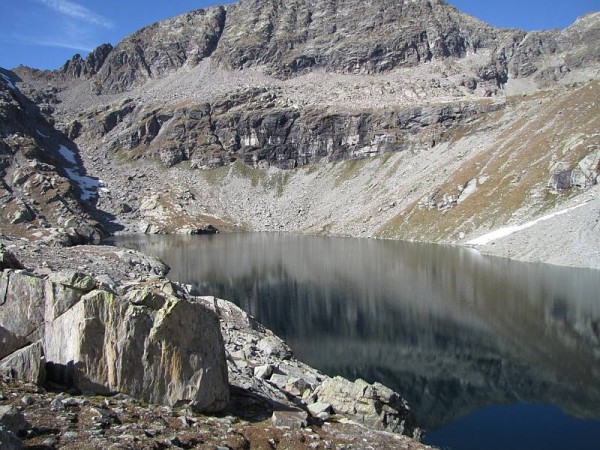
point(40, 181)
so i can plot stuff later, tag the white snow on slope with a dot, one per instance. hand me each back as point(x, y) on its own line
point(89, 186)
point(42, 134)
point(506, 231)
point(10, 83)
point(68, 154)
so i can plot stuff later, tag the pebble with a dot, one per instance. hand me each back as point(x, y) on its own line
point(57, 405)
point(28, 400)
point(70, 435)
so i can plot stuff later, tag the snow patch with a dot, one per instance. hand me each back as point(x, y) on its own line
point(42, 135)
point(89, 186)
point(68, 154)
point(8, 82)
point(506, 231)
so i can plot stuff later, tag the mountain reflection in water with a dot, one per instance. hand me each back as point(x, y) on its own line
point(451, 330)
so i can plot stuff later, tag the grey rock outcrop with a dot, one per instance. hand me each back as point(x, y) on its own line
point(346, 36)
point(27, 364)
point(372, 404)
point(256, 127)
point(353, 37)
point(118, 343)
point(160, 48)
point(36, 193)
point(261, 363)
point(150, 341)
point(78, 67)
point(10, 342)
point(22, 304)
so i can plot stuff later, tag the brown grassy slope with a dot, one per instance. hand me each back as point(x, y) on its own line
point(531, 136)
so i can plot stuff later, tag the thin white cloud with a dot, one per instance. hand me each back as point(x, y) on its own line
point(72, 46)
point(50, 42)
point(76, 11)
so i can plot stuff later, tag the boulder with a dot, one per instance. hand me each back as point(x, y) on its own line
point(318, 409)
point(13, 420)
point(21, 303)
point(27, 364)
point(374, 405)
point(8, 260)
point(263, 372)
point(169, 352)
point(8, 441)
point(295, 419)
point(161, 347)
point(10, 342)
point(64, 289)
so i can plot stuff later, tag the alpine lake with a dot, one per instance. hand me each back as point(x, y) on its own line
point(489, 352)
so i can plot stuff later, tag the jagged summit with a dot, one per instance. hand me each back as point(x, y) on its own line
point(291, 38)
point(347, 36)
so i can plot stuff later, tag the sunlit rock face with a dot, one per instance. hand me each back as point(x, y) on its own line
point(151, 342)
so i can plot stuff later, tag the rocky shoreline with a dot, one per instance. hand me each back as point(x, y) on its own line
point(86, 357)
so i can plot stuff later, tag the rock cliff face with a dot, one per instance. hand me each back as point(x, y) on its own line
point(256, 127)
point(346, 36)
point(159, 48)
point(292, 38)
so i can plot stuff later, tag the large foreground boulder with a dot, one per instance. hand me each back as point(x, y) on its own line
point(150, 340)
point(162, 349)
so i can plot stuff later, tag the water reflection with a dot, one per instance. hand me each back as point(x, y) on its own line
point(452, 330)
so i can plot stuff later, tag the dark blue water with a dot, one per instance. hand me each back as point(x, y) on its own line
point(490, 353)
point(517, 426)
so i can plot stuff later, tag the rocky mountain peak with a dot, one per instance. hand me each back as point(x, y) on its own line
point(78, 67)
point(345, 36)
point(161, 47)
point(287, 39)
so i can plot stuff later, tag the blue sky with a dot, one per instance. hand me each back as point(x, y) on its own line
point(46, 33)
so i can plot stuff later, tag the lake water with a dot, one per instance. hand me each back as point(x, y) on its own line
point(490, 353)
